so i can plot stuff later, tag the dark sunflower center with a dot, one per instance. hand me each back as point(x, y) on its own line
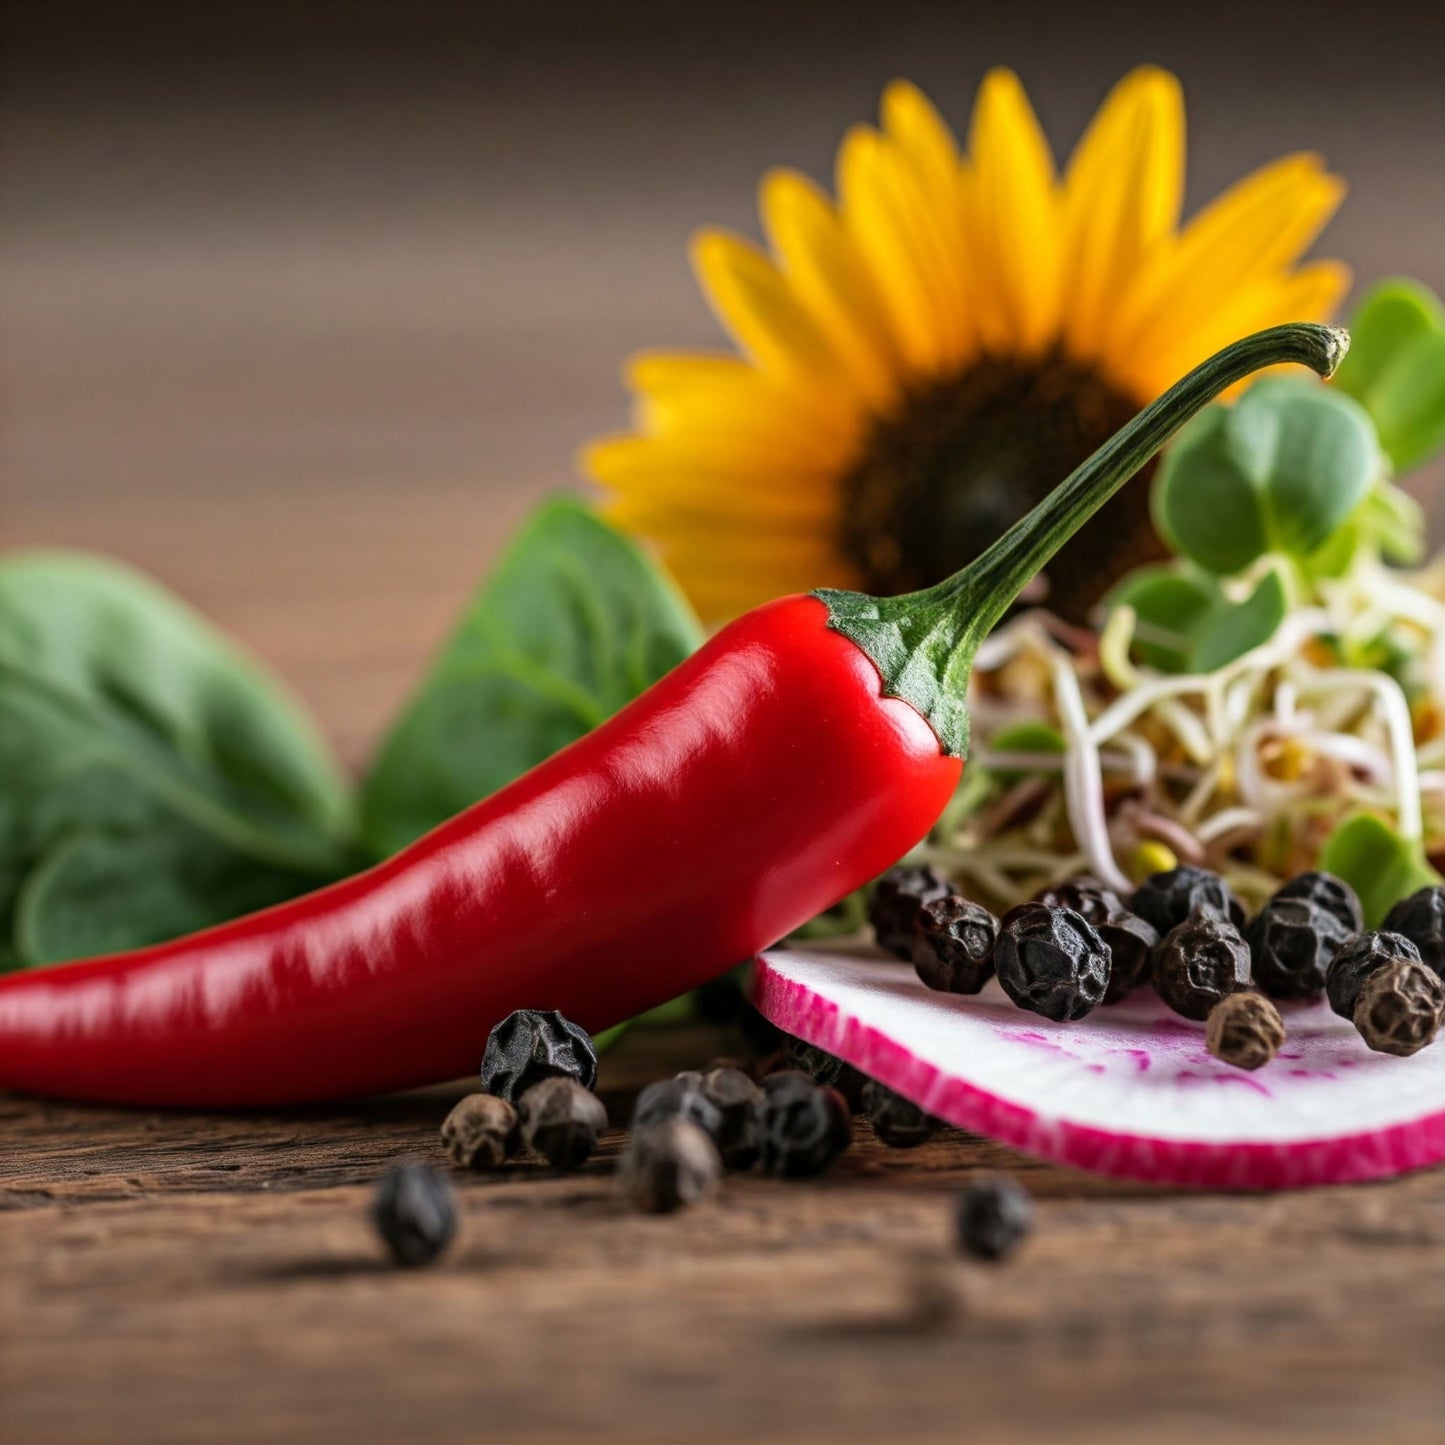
point(965, 457)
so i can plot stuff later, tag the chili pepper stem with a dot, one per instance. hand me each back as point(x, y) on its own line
point(923, 643)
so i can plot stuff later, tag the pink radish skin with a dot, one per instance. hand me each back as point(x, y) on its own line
point(1054, 1090)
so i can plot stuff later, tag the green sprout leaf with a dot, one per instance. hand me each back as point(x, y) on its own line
point(1396, 369)
point(1380, 865)
point(1171, 607)
point(1185, 622)
point(1280, 471)
point(1234, 628)
point(153, 779)
point(1025, 737)
point(574, 623)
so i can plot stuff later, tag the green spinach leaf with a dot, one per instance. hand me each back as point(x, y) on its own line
point(573, 624)
point(132, 731)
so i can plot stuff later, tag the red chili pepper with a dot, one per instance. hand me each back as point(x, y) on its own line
point(797, 755)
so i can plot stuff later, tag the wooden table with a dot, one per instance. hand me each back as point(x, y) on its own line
point(306, 338)
point(174, 1277)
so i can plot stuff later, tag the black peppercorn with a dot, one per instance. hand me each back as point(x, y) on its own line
point(1400, 1008)
point(1051, 962)
point(953, 942)
point(994, 1214)
point(1131, 943)
point(482, 1132)
point(1421, 918)
point(1357, 959)
point(894, 903)
point(739, 1101)
point(1200, 962)
point(529, 1046)
point(1128, 937)
point(805, 1126)
point(827, 1069)
point(680, 1097)
point(1244, 1029)
point(724, 1103)
point(1089, 898)
point(897, 1121)
point(1165, 900)
point(1292, 942)
point(561, 1121)
point(668, 1165)
point(1332, 894)
point(415, 1212)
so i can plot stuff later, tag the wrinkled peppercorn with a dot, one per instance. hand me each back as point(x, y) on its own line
point(680, 1097)
point(953, 942)
point(897, 1121)
point(1131, 942)
point(894, 903)
point(827, 1069)
point(1421, 918)
point(1126, 935)
point(1400, 1008)
point(805, 1126)
point(1089, 898)
point(1165, 900)
point(1357, 959)
point(1199, 962)
point(482, 1132)
point(740, 1102)
point(1051, 962)
point(1244, 1029)
point(415, 1212)
point(724, 1103)
point(561, 1121)
point(668, 1165)
point(1292, 942)
point(994, 1214)
point(1332, 894)
point(529, 1046)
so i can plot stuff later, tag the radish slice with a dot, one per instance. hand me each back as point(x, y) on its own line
point(1130, 1090)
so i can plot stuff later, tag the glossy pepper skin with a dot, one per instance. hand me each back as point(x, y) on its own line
point(751, 788)
point(792, 759)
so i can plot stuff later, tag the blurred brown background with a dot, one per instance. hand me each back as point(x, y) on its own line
point(302, 305)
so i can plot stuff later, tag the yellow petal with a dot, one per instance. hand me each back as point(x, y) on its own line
point(830, 279)
point(680, 384)
point(721, 553)
point(911, 120)
point(880, 217)
point(1122, 195)
point(1014, 220)
point(754, 301)
point(743, 411)
point(1252, 232)
point(678, 474)
point(926, 148)
point(719, 563)
point(1309, 294)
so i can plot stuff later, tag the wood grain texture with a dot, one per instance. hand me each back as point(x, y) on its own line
point(169, 1277)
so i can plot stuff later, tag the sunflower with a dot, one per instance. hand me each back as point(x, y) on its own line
point(925, 356)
